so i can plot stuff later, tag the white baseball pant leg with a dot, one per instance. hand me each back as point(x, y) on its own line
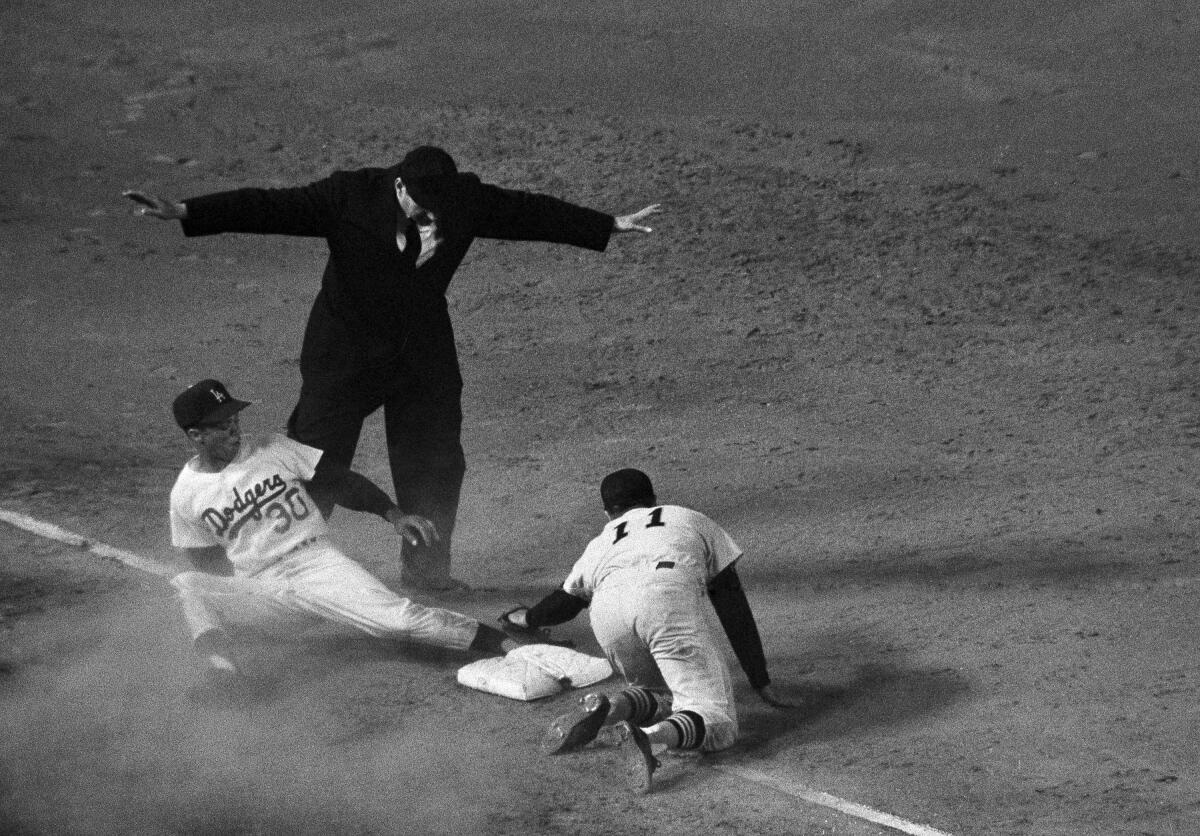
point(659, 634)
point(317, 582)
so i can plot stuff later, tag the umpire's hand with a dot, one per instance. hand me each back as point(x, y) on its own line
point(157, 207)
point(633, 221)
point(415, 529)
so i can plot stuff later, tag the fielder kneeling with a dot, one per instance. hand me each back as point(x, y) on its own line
point(648, 578)
point(242, 512)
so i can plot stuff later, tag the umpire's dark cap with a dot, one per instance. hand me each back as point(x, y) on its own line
point(206, 402)
point(430, 176)
point(627, 488)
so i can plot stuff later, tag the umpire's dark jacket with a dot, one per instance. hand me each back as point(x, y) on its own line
point(377, 311)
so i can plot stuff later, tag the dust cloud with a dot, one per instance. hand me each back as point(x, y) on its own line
point(101, 736)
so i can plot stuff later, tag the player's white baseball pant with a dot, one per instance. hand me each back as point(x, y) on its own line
point(315, 582)
point(658, 631)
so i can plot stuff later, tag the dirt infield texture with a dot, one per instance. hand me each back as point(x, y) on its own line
point(917, 326)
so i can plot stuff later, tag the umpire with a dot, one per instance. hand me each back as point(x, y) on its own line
point(379, 333)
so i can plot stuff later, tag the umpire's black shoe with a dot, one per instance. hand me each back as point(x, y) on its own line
point(577, 727)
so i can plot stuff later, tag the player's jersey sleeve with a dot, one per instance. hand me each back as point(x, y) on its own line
point(187, 531)
point(185, 534)
point(722, 550)
point(298, 459)
point(581, 581)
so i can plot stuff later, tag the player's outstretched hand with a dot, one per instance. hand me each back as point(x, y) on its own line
point(772, 697)
point(157, 207)
point(415, 529)
point(633, 222)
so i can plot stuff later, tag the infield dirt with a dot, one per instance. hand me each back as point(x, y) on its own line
point(917, 326)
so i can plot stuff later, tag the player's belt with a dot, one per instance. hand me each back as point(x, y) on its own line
point(654, 571)
point(284, 555)
point(303, 544)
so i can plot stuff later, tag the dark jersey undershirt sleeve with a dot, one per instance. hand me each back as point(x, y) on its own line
point(733, 610)
point(349, 489)
point(556, 608)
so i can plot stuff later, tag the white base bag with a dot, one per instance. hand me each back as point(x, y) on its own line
point(534, 671)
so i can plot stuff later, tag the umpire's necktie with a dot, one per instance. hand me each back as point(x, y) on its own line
point(412, 242)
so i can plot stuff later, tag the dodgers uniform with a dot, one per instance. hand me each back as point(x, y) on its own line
point(645, 576)
point(287, 572)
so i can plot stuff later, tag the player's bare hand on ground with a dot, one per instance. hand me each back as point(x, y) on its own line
point(157, 207)
point(774, 698)
point(415, 529)
point(633, 221)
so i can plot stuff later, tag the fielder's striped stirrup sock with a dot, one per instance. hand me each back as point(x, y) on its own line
point(643, 705)
point(690, 727)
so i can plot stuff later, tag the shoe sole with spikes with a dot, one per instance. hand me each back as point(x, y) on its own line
point(578, 727)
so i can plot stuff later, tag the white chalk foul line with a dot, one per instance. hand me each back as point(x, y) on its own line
point(824, 799)
point(53, 532)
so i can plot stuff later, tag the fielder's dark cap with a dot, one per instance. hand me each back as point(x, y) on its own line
point(430, 176)
point(626, 488)
point(206, 402)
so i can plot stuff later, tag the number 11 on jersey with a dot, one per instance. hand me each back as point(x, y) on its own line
point(655, 522)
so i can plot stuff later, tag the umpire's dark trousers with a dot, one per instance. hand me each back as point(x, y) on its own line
point(423, 425)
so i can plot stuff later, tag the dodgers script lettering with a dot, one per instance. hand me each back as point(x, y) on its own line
point(247, 505)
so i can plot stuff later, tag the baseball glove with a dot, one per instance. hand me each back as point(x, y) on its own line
point(529, 635)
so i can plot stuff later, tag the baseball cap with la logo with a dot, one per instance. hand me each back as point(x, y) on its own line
point(206, 402)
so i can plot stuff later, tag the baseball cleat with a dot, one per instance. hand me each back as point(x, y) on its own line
point(636, 756)
point(578, 727)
